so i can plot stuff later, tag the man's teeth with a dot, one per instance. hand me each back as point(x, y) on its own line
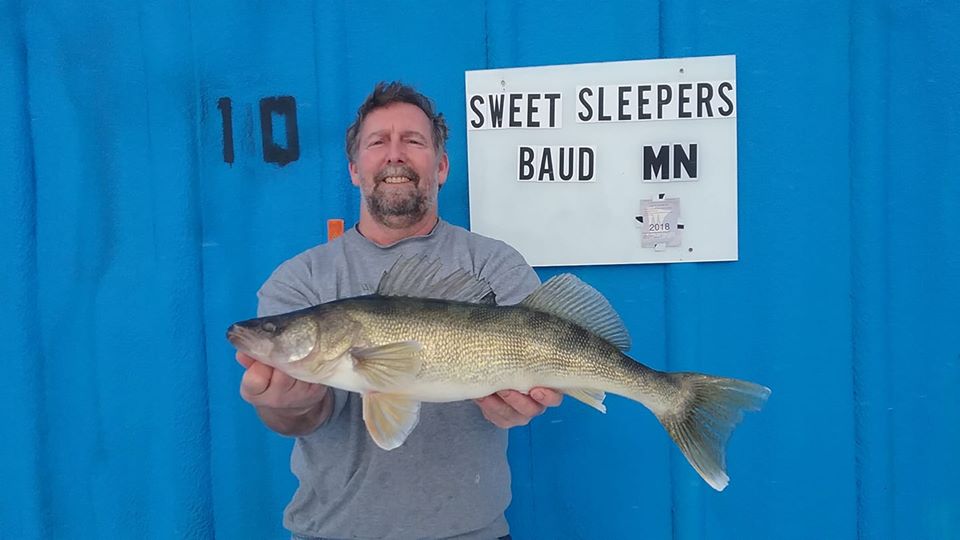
point(396, 179)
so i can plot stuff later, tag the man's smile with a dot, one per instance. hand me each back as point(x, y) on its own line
point(396, 179)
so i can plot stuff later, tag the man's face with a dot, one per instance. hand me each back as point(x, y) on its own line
point(396, 165)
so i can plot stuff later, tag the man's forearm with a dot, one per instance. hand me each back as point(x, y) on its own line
point(297, 422)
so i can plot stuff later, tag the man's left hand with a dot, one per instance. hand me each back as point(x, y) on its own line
point(509, 408)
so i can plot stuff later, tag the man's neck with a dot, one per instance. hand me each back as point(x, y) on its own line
point(383, 235)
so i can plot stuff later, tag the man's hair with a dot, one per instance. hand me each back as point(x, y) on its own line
point(385, 94)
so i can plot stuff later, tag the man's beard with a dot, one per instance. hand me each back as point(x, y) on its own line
point(397, 210)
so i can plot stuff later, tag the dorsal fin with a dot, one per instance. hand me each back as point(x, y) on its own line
point(567, 297)
point(418, 277)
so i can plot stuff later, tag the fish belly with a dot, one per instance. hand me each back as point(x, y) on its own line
point(444, 391)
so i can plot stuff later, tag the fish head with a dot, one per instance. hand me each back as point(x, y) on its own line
point(278, 340)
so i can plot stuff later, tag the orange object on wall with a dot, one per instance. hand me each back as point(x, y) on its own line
point(334, 228)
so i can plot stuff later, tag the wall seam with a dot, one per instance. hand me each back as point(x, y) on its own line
point(198, 224)
point(44, 497)
point(486, 34)
point(869, 279)
point(854, 296)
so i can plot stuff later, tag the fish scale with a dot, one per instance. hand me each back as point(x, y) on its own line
point(458, 346)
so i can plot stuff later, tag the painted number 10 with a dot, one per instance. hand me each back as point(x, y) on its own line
point(281, 152)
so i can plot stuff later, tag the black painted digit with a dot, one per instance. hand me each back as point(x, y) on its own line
point(226, 115)
point(285, 106)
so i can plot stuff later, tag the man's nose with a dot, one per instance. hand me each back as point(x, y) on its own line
point(395, 152)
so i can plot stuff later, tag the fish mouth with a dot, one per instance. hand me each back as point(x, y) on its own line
point(248, 341)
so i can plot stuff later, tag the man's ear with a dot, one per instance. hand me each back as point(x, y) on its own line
point(354, 173)
point(443, 168)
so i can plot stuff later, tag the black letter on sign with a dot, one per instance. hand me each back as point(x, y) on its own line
point(226, 114)
point(514, 109)
point(704, 95)
point(656, 163)
point(546, 165)
point(642, 90)
point(623, 102)
point(478, 121)
point(566, 163)
point(286, 107)
point(684, 88)
point(531, 108)
point(687, 162)
point(526, 163)
point(586, 164)
point(600, 115)
point(585, 91)
point(552, 98)
point(664, 95)
point(722, 90)
point(496, 110)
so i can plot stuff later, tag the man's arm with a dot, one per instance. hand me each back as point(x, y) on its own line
point(284, 404)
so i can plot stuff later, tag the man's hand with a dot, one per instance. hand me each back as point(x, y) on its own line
point(509, 408)
point(286, 405)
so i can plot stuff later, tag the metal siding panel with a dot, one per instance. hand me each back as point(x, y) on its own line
point(21, 465)
point(256, 215)
point(578, 474)
point(90, 266)
point(924, 258)
point(113, 245)
point(780, 314)
point(178, 425)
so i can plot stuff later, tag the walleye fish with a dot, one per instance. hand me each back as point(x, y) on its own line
point(424, 338)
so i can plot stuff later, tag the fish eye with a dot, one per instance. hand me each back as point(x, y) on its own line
point(269, 327)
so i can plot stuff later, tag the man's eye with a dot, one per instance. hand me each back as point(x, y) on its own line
point(417, 142)
point(375, 143)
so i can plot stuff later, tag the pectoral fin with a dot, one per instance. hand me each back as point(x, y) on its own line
point(388, 365)
point(591, 397)
point(390, 418)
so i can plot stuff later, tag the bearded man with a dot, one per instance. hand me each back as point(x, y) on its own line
point(450, 478)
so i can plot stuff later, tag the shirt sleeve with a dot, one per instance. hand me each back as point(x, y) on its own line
point(289, 289)
point(509, 275)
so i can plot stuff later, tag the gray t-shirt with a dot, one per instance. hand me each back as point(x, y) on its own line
point(450, 479)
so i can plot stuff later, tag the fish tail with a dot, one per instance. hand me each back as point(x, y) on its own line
point(711, 408)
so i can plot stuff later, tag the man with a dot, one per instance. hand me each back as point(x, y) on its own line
point(450, 479)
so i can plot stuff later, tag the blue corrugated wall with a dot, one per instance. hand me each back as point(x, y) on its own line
point(129, 244)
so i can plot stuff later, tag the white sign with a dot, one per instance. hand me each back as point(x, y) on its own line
point(591, 163)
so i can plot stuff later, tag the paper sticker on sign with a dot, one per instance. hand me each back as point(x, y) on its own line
point(659, 221)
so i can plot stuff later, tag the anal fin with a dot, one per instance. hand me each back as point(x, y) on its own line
point(591, 397)
point(390, 418)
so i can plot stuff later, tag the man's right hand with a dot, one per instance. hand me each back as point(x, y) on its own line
point(286, 405)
